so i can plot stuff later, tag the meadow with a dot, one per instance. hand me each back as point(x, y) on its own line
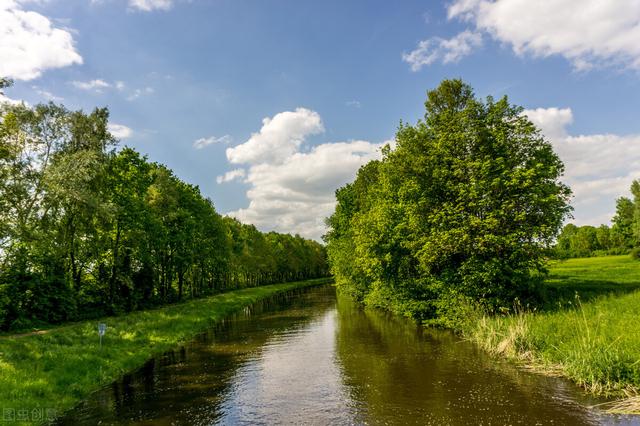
point(43, 374)
point(588, 332)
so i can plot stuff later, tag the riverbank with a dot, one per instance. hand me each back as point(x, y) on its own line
point(592, 339)
point(42, 375)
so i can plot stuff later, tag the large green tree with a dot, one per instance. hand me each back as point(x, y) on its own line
point(461, 210)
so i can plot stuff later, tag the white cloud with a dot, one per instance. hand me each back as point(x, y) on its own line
point(96, 85)
point(149, 5)
point(587, 33)
point(552, 121)
point(120, 131)
point(231, 175)
point(297, 194)
point(353, 103)
point(599, 167)
point(445, 50)
point(278, 138)
point(292, 189)
point(203, 142)
point(30, 44)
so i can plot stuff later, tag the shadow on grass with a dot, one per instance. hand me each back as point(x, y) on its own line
point(563, 290)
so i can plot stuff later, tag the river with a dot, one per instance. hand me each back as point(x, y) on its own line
point(309, 357)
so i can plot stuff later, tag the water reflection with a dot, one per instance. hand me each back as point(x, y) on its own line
point(404, 374)
point(307, 358)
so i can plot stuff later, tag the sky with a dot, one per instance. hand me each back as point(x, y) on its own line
point(269, 106)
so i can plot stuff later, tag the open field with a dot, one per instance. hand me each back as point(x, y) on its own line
point(53, 371)
point(594, 339)
point(591, 277)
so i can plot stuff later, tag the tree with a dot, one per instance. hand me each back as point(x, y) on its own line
point(623, 222)
point(635, 227)
point(4, 83)
point(350, 275)
point(87, 230)
point(603, 236)
point(461, 209)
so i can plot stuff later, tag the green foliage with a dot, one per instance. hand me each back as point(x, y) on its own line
point(584, 241)
point(623, 221)
point(635, 253)
point(623, 235)
point(87, 230)
point(462, 209)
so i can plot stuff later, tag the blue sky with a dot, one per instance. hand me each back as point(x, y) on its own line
point(334, 78)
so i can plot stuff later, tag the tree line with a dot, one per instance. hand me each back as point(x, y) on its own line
point(88, 230)
point(459, 215)
point(621, 237)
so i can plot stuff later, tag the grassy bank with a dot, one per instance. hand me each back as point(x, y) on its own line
point(51, 372)
point(592, 336)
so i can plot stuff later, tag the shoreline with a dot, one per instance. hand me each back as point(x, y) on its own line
point(44, 374)
point(507, 338)
point(589, 342)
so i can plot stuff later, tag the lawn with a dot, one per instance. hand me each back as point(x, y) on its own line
point(592, 277)
point(42, 375)
point(592, 336)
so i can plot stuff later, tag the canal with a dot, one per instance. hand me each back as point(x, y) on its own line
point(309, 357)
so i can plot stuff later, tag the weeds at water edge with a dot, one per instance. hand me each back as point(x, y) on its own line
point(588, 343)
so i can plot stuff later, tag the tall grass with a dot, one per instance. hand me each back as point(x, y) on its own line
point(594, 343)
point(53, 371)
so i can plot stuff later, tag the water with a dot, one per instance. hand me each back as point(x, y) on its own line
point(310, 358)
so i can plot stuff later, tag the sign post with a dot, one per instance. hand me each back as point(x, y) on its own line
point(102, 328)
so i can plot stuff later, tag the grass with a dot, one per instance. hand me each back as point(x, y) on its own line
point(52, 371)
point(592, 336)
point(591, 278)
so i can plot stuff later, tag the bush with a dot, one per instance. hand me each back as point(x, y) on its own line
point(635, 253)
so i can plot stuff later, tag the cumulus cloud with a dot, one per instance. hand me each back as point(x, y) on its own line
point(292, 189)
point(587, 33)
point(599, 167)
point(444, 50)
point(150, 5)
point(552, 121)
point(30, 44)
point(120, 131)
point(279, 137)
point(211, 140)
point(231, 175)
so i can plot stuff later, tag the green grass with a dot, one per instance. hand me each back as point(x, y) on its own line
point(55, 370)
point(591, 278)
point(593, 338)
